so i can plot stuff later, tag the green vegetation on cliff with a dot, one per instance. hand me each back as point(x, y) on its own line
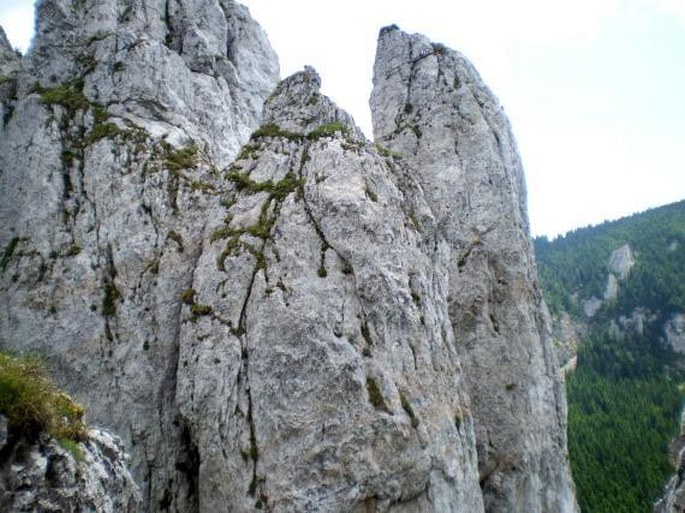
point(32, 403)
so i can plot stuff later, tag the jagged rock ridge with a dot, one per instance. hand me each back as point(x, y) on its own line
point(315, 323)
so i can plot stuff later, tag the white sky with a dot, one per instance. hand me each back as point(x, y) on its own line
point(595, 89)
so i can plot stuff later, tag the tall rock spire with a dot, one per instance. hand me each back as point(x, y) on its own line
point(429, 104)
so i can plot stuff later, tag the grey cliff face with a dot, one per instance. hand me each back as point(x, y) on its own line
point(429, 104)
point(187, 69)
point(292, 320)
point(328, 335)
point(43, 476)
point(108, 174)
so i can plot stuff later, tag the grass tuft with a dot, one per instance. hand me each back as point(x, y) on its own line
point(32, 403)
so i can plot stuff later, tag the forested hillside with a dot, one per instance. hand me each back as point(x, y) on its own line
point(576, 264)
point(626, 393)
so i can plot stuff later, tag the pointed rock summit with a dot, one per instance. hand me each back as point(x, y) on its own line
point(272, 312)
point(430, 105)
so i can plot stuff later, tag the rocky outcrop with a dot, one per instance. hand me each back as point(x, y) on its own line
point(567, 334)
point(430, 105)
point(619, 265)
point(44, 476)
point(674, 332)
point(621, 262)
point(9, 58)
point(289, 318)
point(320, 312)
point(124, 113)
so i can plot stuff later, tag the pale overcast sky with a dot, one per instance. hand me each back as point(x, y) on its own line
point(595, 89)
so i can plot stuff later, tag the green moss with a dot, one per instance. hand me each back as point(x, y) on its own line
point(102, 131)
point(73, 447)
point(183, 158)
point(67, 157)
point(414, 220)
point(5, 79)
point(110, 298)
point(188, 296)
point(283, 187)
point(249, 151)
point(375, 395)
point(371, 195)
point(73, 250)
point(458, 420)
point(146, 345)
point(32, 403)
point(322, 271)
point(366, 335)
point(278, 190)
point(406, 405)
point(416, 298)
point(241, 180)
point(328, 130)
point(69, 95)
point(9, 251)
point(199, 310)
point(273, 130)
point(388, 153)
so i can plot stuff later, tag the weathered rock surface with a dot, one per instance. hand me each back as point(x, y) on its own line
point(315, 324)
point(328, 335)
point(9, 58)
point(429, 104)
point(621, 261)
point(43, 476)
point(567, 334)
point(108, 174)
point(674, 332)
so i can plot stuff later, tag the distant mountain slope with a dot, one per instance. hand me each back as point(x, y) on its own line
point(617, 292)
point(577, 265)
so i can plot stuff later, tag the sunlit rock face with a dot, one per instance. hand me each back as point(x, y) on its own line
point(271, 311)
point(430, 104)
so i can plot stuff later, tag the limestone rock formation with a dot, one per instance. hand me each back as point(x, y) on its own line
point(271, 311)
point(430, 104)
point(328, 332)
point(123, 113)
point(674, 332)
point(43, 476)
point(621, 261)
